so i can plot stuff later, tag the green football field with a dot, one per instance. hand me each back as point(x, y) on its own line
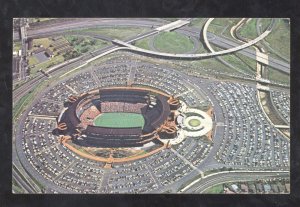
point(119, 120)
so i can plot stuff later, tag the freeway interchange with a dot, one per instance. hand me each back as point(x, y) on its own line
point(230, 46)
point(56, 29)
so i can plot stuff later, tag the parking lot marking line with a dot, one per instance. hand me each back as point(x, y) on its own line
point(105, 179)
point(35, 116)
point(166, 76)
point(95, 77)
point(131, 75)
point(72, 89)
point(52, 101)
point(47, 148)
point(65, 170)
point(150, 170)
point(184, 93)
point(187, 162)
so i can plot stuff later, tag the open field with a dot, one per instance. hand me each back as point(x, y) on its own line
point(248, 30)
point(32, 60)
point(85, 44)
point(279, 38)
point(250, 63)
point(17, 46)
point(120, 120)
point(211, 64)
point(239, 64)
point(46, 42)
point(265, 22)
point(173, 42)
point(194, 122)
point(198, 22)
point(45, 65)
point(218, 189)
point(278, 76)
point(222, 26)
point(143, 43)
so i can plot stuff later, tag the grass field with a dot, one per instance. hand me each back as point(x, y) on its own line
point(279, 38)
point(119, 120)
point(278, 76)
point(222, 26)
point(173, 42)
point(194, 122)
point(198, 22)
point(42, 41)
point(218, 189)
point(265, 22)
point(143, 43)
point(239, 64)
point(32, 60)
point(248, 30)
point(47, 64)
point(87, 44)
point(17, 46)
point(211, 63)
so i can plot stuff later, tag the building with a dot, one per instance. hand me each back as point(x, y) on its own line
point(152, 105)
point(49, 53)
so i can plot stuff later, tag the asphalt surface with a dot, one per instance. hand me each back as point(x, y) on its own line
point(219, 41)
point(215, 179)
point(18, 93)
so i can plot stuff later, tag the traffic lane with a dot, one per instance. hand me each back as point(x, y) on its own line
point(22, 183)
point(106, 23)
point(149, 22)
point(273, 62)
point(21, 91)
point(212, 37)
point(285, 67)
point(233, 176)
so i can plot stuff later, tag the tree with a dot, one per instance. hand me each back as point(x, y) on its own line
point(84, 50)
point(93, 42)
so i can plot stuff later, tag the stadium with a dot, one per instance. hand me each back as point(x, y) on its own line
point(119, 117)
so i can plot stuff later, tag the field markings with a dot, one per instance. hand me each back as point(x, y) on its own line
point(187, 162)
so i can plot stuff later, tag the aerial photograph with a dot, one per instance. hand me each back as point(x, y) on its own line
point(151, 106)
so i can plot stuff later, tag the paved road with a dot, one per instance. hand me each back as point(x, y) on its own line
point(219, 178)
point(29, 85)
point(21, 182)
point(219, 41)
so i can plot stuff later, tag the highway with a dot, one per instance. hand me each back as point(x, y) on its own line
point(21, 181)
point(86, 23)
point(233, 176)
point(22, 66)
point(18, 93)
point(216, 40)
point(194, 56)
point(22, 90)
point(86, 58)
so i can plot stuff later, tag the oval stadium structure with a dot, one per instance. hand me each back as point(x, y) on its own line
point(157, 109)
